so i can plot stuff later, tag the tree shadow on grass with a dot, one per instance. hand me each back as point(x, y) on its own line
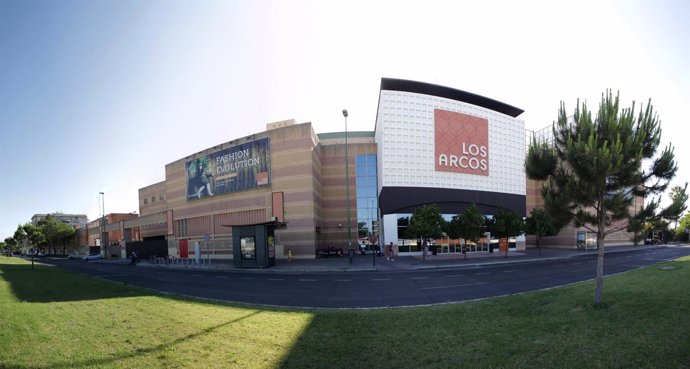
point(45, 284)
point(428, 336)
point(89, 363)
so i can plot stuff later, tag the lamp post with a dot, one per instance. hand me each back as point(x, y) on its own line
point(103, 236)
point(347, 193)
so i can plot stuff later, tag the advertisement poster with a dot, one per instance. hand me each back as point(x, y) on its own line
point(237, 168)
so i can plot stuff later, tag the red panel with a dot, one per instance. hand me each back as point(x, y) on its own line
point(261, 178)
point(184, 249)
point(503, 245)
point(278, 210)
point(462, 143)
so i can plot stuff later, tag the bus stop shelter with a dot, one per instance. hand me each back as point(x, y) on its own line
point(253, 245)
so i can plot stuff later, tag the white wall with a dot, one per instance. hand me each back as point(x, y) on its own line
point(390, 229)
point(406, 152)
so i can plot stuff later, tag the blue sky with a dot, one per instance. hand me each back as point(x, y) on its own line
point(100, 95)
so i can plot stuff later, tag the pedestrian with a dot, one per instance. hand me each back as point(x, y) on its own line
point(390, 251)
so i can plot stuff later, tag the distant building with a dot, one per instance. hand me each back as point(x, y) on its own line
point(71, 219)
point(117, 229)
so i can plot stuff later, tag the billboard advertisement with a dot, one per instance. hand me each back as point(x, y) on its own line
point(237, 168)
point(461, 142)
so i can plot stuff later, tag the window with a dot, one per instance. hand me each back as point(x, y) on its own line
point(367, 203)
point(182, 228)
point(160, 197)
point(146, 201)
point(153, 198)
point(369, 192)
point(361, 170)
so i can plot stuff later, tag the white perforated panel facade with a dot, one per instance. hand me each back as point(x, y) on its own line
point(405, 140)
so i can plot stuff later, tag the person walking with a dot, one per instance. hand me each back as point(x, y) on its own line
point(389, 252)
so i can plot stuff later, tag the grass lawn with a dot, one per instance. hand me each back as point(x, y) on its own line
point(55, 319)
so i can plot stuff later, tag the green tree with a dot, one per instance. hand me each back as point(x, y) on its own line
point(506, 224)
point(684, 225)
point(426, 222)
point(362, 229)
point(674, 211)
point(657, 224)
point(34, 235)
point(540, 224)
point(11, 244)
point(468, 225)
point(593, 171)
point(20, 237)
point(56, 234)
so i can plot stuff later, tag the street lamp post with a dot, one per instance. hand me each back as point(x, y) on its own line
point(350, 252)
point(103, 234)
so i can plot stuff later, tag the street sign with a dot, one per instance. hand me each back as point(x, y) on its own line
point(503, 245)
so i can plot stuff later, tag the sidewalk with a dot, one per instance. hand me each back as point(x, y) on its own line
point(363, 263)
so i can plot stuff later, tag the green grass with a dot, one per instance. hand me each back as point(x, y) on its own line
point(54, 319)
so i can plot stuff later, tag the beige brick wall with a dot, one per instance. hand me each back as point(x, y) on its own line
point(293, 159)
point(152, 199)
point(567, 237)
point(311, 176)
point(333, 191)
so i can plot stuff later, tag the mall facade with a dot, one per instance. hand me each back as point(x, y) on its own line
point(430, 145)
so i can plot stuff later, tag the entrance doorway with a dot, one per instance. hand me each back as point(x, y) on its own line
point(184, 249)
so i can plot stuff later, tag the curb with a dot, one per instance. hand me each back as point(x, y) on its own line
point(494, 263)
point(428, 266)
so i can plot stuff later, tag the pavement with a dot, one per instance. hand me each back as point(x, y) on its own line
point(366, 263)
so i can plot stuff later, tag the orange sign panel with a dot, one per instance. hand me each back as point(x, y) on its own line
point(278, 206)
point(461, 143)
point(503, 244)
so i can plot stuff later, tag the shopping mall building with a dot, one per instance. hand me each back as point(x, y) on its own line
point(430, 145)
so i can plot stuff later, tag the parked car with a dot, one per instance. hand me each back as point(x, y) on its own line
point(332, 251)
point(35, 254)
point(93, 257)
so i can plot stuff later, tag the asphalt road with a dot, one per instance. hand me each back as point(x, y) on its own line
point(370, 289)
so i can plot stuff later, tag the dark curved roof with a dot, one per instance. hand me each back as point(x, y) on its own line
point(394, 84)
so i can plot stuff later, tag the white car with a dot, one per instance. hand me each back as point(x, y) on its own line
point(93, 257)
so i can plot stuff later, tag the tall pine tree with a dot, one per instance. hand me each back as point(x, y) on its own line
point(594, 169)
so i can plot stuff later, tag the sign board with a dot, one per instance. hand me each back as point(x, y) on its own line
point(237, 168)
point(461, 143)
point(503, 245)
